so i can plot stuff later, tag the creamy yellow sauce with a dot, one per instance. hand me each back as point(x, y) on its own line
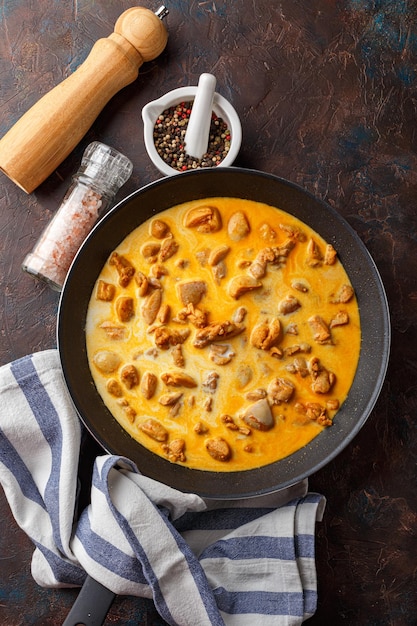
point(308, 274)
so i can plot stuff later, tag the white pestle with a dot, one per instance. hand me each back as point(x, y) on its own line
point(198, 129)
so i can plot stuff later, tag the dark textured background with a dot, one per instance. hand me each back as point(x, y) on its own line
point(326, 92)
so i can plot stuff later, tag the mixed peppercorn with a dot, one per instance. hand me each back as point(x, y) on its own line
point(169, 135)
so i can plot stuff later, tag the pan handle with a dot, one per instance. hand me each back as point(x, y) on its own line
point(91, 606)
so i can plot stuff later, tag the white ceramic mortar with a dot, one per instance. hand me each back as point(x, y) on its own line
point(221, 107)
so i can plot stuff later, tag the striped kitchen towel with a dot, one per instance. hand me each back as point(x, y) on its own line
point(203, 563)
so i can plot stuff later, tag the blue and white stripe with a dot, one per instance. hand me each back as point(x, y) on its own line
point(234, 563)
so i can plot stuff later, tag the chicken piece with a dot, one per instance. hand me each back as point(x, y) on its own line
point(239, 285)
point(219, 271)
point(150, 251)
point(238, 226)
point(125, 308)
point(288, 305)
point(205, 219)
point(332, 404)
point(114, 388)
point(129, 376)
point(280, 390)
point(148, 385)
point(178, 379)
point(296, 348)
point(257, 269)
point(243, 263)
point(298, 366)
point(200, 428)
point(321, 332)
point(240, 314)
point(113, 331)
point(169, 399)
point(218, 449)
point(322, 379)
point(291, 329)
point(345, 294)
point(159, 229)
point(244, 375)
point(246, 431)
point(105, 291)
point(340, 319)
point(220, 353)
point(210, 381)
point(278, 254)
point(154, 430)
point(175, 409)
point(191, 291)
point(175, 450)
point(157, 271)
point(164, 314)
point(130, 413)
point(123, 267)
point(313, 412)
point(266, 334)
point(151, 353)
point(293, 232)
point(218, 254)
point(276, 352)
point(314, 255)
point(177, 355)
point(299, 286)
point(229, 422)
point(208, 405)
point(197, 317)
point(154, 283)
point(165, 337)
point(216, 331)
point(143, 283)
point(202, 256)
point(169, 247)
point(107, 361)
point(317, 413)
point(151, 305)
point(256, 394)
point(267, 232)
point(324, 420)
point(330, 255)
point(282, 252)
point(259, 415)
point(266, 255)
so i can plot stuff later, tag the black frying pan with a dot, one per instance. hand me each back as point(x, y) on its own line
point(253, 185)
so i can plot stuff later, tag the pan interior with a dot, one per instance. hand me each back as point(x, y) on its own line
point(252, 185)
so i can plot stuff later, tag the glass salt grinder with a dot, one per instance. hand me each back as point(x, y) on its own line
point(102, 172)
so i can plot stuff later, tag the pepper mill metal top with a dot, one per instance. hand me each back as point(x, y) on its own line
point(45, 135)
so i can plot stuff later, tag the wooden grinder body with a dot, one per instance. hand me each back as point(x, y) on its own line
point(45, 135)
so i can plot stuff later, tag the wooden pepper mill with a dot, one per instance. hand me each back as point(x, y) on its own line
point(45, 135)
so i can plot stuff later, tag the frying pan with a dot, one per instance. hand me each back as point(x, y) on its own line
point(238, 183)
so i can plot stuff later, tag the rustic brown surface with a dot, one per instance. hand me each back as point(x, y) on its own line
point(326, 91)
